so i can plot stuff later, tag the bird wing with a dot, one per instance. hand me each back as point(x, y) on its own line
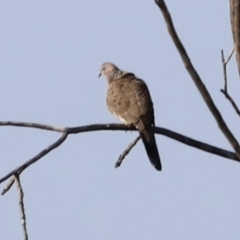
point(128, 98)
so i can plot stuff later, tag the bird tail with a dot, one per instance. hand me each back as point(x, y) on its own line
point(149, 142)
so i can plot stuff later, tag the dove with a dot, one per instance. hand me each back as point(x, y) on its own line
point(129, 99)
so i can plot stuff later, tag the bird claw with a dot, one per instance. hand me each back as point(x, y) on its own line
point(130, 125)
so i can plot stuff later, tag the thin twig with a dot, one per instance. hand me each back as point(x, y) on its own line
point(224, 71)
point(225, 90)
point(21, 206)
point(224, 64)
point(196, 78)
point(126, 152)
point(230, 56)
point(234, 105)
point(9, 185)
point(45, 151)
point(33, 125)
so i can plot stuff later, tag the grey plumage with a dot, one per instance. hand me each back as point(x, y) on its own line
point(128, 99)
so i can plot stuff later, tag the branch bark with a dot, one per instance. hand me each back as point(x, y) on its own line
point(196, 78)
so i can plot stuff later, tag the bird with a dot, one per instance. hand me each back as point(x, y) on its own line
point(129, 99)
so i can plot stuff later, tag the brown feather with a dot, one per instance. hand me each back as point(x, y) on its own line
point(128, 98)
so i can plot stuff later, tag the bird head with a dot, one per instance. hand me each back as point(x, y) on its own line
point(107, 69)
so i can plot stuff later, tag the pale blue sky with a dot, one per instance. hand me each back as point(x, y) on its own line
point(50, 56)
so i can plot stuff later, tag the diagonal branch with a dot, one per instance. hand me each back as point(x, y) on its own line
point(229, 57)
point(197, 144)
point(126, 151)
point(196, 78)
point(44, 152)
point(9, 185)
point(234, 105)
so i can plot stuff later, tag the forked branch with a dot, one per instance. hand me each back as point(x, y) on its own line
point(106, 127)
point(225, 90)
point(196, 78)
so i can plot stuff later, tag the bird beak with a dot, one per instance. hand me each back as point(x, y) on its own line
point(100, 74)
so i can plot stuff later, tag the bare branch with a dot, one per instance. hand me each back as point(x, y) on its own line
point(235, 24)
point(225, 90)
point(197, 144)
point(45, 151)
point(230, 56)
point(224, 71)
point(9, 185)
point(33, 125)
point(234, 105)
point(69, 130)
point(21, 206)
point(126, 152)
point(224, 64)
point(99, 127)
point(196, 78)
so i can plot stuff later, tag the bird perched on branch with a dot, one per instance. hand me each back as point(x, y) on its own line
point(129, 100)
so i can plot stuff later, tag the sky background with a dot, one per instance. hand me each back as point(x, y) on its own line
point(50, 55)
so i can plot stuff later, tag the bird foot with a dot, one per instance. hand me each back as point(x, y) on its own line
point(130, 125)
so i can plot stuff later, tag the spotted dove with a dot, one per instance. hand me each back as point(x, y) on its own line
point(129, 100)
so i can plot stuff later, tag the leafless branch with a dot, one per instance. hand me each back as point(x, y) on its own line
point(234, 105)
point(109, 127)
point(197, 144)
point(224, 64)
point(225, 90)
point(33, 125)
point(224, 71)
point(126, 152)
point(45, 151)
point(21, 206)
point(196, 78)
point(9, 185)
point(235, 24)
point(230, 56)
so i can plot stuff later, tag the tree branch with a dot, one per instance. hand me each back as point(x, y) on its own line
point(196, 78)
point(33, 125)
point(9, 185)
point(225, 90)
point(45, 151)
point(224, 64)
point(126, 152)
point(234, 105)
point(21, 206)
point(109, 127)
